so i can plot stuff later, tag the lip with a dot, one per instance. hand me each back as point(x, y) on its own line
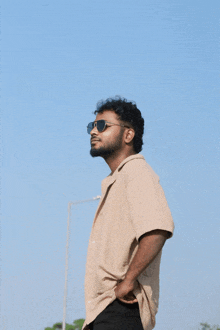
point(94, 140)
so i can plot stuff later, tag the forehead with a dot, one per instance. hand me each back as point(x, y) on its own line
point(107, 115)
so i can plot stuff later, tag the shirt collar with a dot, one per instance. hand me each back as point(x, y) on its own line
point(111, 178)
point(128, 159)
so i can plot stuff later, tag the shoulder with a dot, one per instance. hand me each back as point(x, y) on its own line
point(139, 169)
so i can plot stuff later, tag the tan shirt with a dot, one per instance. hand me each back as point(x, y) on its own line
point(132, 203)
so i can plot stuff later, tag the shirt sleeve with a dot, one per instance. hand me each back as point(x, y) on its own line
point(146, 200)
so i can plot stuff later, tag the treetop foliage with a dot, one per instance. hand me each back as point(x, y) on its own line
point(206, 326)
point(77, 325)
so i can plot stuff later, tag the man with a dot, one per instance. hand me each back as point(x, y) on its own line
point(130, 227)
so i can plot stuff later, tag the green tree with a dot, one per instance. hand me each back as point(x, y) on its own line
point(77, 325)
point(206, 326)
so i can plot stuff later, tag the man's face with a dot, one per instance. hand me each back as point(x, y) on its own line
point(109, 141)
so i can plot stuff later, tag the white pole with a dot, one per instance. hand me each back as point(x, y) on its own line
point(67, 254)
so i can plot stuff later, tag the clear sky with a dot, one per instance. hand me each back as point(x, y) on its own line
point(58, 59)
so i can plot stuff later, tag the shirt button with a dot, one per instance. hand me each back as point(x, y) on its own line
point(93, 241)
point(89, 301)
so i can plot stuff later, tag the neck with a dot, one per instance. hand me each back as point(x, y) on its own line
point(115, 160)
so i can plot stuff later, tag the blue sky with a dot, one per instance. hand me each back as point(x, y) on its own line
point(58, 60)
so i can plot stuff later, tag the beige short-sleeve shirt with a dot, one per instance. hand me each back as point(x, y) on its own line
point(132, 203)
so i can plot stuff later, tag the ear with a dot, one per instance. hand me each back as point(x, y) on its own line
point(129, 135)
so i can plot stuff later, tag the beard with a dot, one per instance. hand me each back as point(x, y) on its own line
point(101, 152)
point(107, 151)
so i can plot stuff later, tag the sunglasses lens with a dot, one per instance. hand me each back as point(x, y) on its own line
point(100, 125)
point(90, 127)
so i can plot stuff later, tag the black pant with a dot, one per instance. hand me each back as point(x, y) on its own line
point(118, 316)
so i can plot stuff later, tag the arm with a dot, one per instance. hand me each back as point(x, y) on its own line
point(150, 244)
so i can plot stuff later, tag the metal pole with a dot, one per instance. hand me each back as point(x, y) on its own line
point(67, 254)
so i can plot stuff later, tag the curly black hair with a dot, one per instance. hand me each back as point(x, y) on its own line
point(127, 113)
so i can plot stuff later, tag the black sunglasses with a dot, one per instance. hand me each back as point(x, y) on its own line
point(100, 125)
